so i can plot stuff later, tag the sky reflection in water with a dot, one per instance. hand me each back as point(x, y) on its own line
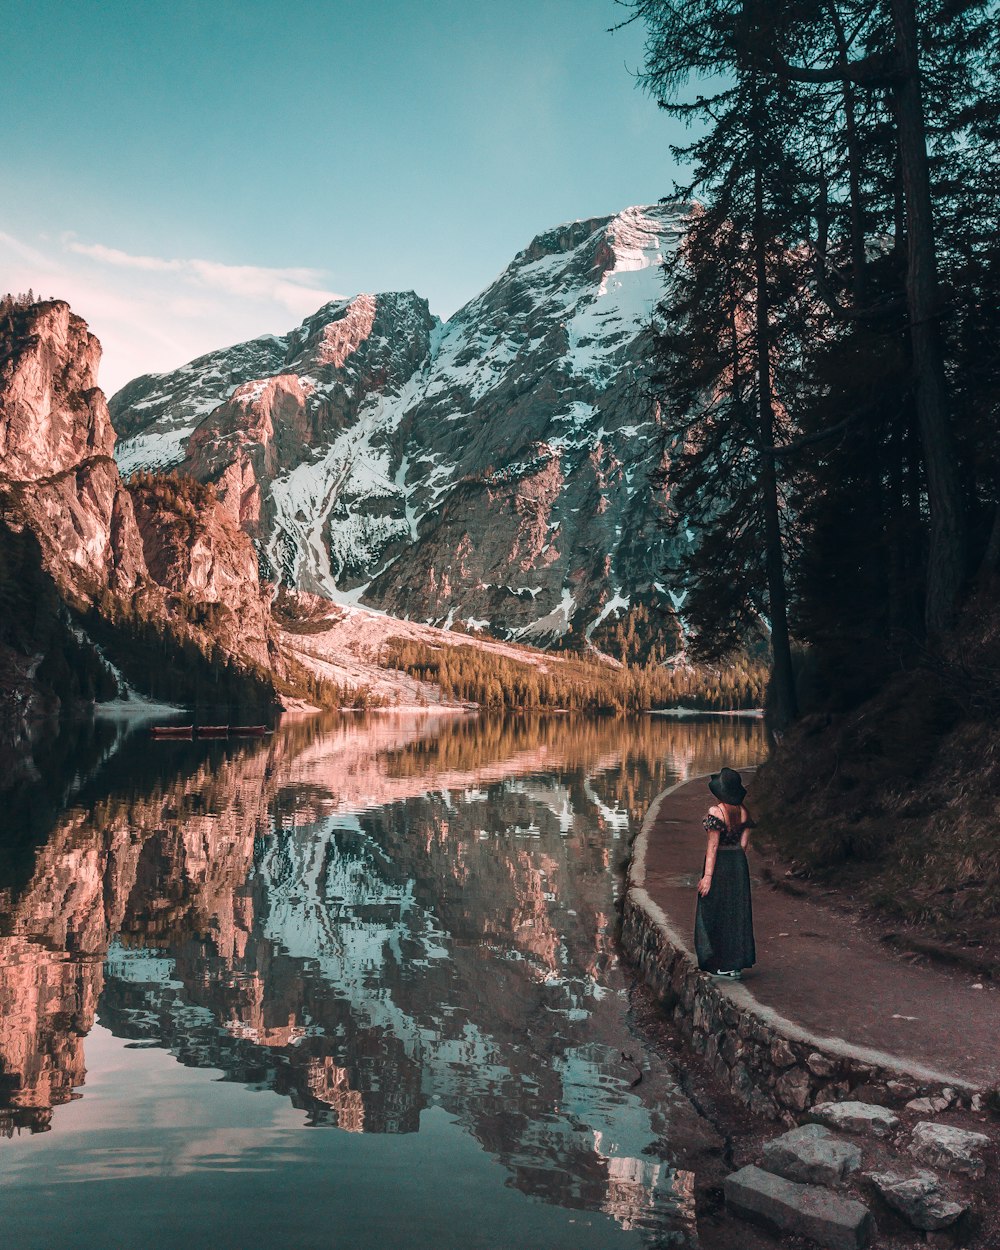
point(398, 929)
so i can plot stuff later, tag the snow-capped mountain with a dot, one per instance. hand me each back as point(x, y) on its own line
point(493, 469)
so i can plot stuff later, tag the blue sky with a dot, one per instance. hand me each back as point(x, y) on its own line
point(192, 173)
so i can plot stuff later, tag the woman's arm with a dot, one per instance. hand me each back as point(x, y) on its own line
point(711, 850)
point(748, 824)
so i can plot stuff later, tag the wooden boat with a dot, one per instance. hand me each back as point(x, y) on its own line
point(209, 731)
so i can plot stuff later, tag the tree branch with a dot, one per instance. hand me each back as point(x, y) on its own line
point(809, 440)
point(878, 69)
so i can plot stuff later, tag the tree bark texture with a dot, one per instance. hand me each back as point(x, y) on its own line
point(781, 656)
point(946, 560)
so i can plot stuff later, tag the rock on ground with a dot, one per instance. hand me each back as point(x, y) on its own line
point(855, 1117)
point(943, 1146)
point(927, 1106)
point(835, 1222)
point(919, 1199)
point(813, 1154)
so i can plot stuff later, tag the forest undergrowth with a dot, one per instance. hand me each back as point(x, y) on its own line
point(895, 800)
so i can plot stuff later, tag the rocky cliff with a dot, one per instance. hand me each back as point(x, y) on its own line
point(58, 474)
point(139, 554)
point(493, 470)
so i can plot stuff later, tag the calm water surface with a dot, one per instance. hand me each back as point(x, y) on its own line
point(352, 986)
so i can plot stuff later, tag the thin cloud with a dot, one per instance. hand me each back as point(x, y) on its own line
point(112, 256)
point(256, 282)
point(153, 313)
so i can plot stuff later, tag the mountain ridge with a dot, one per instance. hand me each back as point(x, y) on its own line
point(492, 469)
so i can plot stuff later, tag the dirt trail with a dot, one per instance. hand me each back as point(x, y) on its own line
point(821, 969)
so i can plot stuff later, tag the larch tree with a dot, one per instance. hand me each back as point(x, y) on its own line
point(725, 346)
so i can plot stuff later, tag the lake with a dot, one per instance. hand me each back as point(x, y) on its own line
point(355, 985)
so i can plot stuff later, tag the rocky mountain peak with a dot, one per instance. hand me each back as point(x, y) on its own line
point(559, 240)
point(57, 447)
point(54, 357)
point(494, 469)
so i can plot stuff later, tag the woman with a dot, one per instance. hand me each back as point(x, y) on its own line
point(723, 927)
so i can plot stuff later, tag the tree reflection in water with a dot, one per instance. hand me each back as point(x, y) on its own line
point(369, 917)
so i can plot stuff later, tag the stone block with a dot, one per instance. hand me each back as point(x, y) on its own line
point(761, 1033)
point(786, 1207)
point(741, 1083)
point(919, 1199)
point(782, 1055)
point(955, 1149)
point(819, 1065)
point(812, 1154)
point(794, 1089)
point(730, 1048)
point(928, 1106)
point(900, 1089)
point(855, 1117)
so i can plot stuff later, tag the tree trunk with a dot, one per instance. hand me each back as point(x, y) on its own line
point(946, 559)
point(859, 255)
point(783, 677)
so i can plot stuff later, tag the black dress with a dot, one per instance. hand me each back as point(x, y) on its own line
point(723, 925)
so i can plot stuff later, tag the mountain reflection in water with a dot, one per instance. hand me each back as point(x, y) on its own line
point(395, 924)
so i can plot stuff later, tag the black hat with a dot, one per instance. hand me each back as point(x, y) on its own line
point(728, 786)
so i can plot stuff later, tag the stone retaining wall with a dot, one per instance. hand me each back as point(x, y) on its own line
point(771, 1065)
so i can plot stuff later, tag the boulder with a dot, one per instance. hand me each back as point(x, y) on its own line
point(813, 1154)
point(855, 1117)
point(928, 1106)
point(943, 1146)
point(833, 1221)
point(819, 1065)
point(919, 1199)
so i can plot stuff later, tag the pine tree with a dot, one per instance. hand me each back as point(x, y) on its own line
point(729, 317)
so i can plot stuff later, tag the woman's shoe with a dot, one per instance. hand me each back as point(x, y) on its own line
point(733, 975)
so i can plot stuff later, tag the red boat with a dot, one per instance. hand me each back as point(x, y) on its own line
point(212, 731)
point(172, 731)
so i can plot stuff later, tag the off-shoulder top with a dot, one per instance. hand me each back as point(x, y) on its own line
point(727, 836)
